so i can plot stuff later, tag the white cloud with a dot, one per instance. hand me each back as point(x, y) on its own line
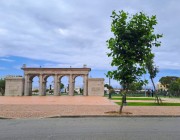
point(6, 60)
point(74, 32)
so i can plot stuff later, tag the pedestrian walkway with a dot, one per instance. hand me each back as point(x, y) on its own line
point(51, 106)
point(55, 100)
point(73, 106)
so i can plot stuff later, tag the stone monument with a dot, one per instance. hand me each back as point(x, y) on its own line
point(22, 86)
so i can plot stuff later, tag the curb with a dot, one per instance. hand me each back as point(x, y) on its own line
point(114, 116)
point(100, 116)
point(4, 118)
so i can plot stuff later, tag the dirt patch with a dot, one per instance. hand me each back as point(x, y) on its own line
point(117, 113)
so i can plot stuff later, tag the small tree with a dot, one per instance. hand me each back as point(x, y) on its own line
point(2, 86)
point(61, 86)
point(132, 43)
point(152, 70)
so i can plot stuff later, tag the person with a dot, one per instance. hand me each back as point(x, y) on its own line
point(152, 92)
point(148, 93)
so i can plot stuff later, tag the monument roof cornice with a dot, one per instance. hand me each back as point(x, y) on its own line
point(55, 69)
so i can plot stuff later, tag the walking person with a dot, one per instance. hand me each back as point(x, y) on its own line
point(152, 92)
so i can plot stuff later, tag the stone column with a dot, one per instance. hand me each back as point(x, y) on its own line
point(26, 85)
point(42, 84)
point(71, 85)
point(30, 87)
point(59, 87)
point(85, 81)
point(56, 86)
point(44, 87)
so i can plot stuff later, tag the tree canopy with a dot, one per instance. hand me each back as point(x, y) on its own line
point(166, 81)
point(135, 86)
point(61, 86)
point(152, 69)
point(174, 87)
point(131, 46)
point(108, 86)
point(2, 86)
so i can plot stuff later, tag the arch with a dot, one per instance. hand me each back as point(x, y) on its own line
point(58, 73)
point(64, 80)
point(49, 84)
point(34, 85)
point(79, 85)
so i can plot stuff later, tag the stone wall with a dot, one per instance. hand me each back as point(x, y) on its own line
point(96, 87)
point(14, 86)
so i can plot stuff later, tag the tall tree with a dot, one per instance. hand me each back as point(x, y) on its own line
point(152, 69)
point(130, 47)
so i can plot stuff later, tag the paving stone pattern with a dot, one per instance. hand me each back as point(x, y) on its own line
point(51, 106)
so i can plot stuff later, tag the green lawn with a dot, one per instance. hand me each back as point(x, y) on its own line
point(134, 98)
point(149, 104)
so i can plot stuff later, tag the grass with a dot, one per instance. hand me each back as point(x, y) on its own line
point(149, 104)
point(133, 98)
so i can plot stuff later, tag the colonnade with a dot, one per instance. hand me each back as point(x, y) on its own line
point(57, 82)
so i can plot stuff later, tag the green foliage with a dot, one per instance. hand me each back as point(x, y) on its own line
point(151, 68)
point(134, 98)
point(150, 104)
point(135, 86)
point(111, 91)
point(2, 86)
point(81, 90)
point(61, 86)
point(131, 46)
point(51, 91)
point(36, 90)
point(108, 86)
point(166, 81)
point(174, 87)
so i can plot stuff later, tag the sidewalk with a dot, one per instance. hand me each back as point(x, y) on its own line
point(76, 106)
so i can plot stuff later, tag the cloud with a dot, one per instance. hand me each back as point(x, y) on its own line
point(74, 32)
point(2, 68)
point(6, 60)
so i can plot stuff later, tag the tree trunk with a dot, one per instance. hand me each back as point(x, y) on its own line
point(123, 101)
point(156, 96)
point(121, 107)
point(153, 84)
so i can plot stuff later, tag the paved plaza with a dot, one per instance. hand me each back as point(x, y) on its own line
point(74, 106)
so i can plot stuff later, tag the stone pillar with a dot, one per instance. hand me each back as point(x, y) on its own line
point(30, 87)
point(42, 84)
point(71, 85)
point(26, 85)
point(56, 86)
point(59, 87)
point(85, 81)
point(44, 87)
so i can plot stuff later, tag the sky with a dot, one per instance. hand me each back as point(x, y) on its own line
point(64, 33)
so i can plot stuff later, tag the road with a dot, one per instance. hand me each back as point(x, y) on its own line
point(109, 128)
